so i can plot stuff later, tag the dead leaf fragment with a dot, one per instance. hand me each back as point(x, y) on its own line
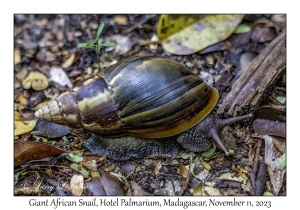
point(21, 74)
point(77, 184)
point(80, 169)
point(158, 167)
point(50, 129)
point(91, 165)
point(104, 185)
point(36, 80)
point(59, 76)
point(198, 189)
point(22, 127)
point(272, 157)
point(229, 176)
point(137, 190)
point(187, 34)
point(183, 171)
point(17, 116)
point(261, 35)
point(211, 191)
point(69, 61)
point(29, 150)
point(45, 56)
point(95, 174)
point(120, 20)
point(205, 165)
point(17, 56)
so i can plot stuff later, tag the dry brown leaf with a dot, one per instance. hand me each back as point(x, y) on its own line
point(229, 176)
point(212, 191)
point(198, 189)
point(91, 165)
point(104, 185)
point(271, 158)
point(59, 76)
point(69, 61)
point(109, 167)
point(17, 116)
point(158, 167)
point(22, 100)
point(29, 150)
point(95, 174)
point(17, 56)
point(21, 74)
point(49, 171)
point(44, 102)
point(22, 127)
point(36, 80)
point(77, 184)
point(205, 165)
point(120, 20)
point(137, 190)
point(183, 171)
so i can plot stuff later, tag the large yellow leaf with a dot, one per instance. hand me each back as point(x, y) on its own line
point(187, 34)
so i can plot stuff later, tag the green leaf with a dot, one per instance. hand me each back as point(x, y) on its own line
point(82, 45)
point(186, 155)
point(242, 28)
point(231, 152)
point(281, 99)
point(138, 168)
point(267, 193)
point(242, 180)
point(74, 158)
point(187, 34)
point(208, 152)
point(90, 43)
point(282, 160)
point(192, 166)
point(80, 169)
point(18, 175)
point(100, 28)
point(65, 139)
point(53, 143)
point(108, 44)
point(99, 44)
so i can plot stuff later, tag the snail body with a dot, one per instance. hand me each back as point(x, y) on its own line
point(141, 105)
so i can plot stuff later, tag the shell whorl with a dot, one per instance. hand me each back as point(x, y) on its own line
point(88, 105)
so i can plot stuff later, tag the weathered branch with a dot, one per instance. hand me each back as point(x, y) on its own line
point(250, 89)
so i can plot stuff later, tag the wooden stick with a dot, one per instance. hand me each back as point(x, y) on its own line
point(250, 89)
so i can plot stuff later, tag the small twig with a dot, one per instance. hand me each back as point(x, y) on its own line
point(132, 170)
point(137, 24)
point(252, 174)
point(148, 42)
point(269, 127)
point(187, 181)
point(255, 165)
point(50, 166)
point(260, 179)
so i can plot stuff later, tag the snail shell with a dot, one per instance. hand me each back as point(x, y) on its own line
point(143, 97)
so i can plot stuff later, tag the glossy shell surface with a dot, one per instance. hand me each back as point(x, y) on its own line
point(145, 97)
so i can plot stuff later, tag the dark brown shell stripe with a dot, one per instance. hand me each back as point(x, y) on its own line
point(156, 104)
point(98, 112)
point(69, 110)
